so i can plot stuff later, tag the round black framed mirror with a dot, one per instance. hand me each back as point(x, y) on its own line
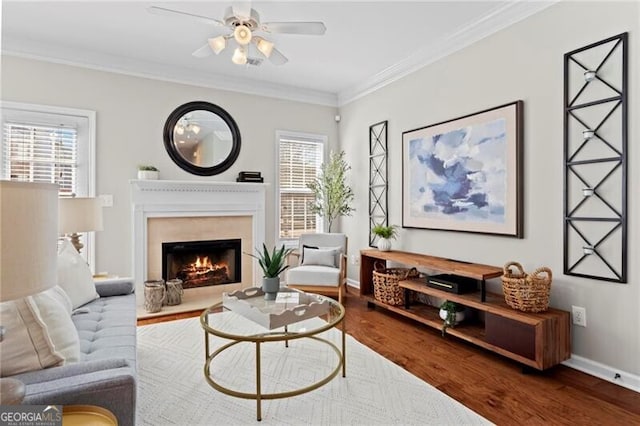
point(202, 138)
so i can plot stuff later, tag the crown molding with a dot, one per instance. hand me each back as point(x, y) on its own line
point(156, 71)
point(501, 17)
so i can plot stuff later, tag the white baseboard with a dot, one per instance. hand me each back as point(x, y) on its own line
point(353, 283)
point(602, 371)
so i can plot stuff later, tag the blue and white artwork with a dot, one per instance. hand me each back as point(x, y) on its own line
point(460, 175)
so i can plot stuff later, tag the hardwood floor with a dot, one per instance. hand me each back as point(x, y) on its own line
point(491, 385)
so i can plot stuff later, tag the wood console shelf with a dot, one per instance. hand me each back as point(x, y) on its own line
point(537, 340)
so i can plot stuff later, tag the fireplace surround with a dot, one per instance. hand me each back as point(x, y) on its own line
point(169, 211)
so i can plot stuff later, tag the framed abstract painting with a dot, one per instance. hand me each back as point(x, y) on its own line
point(465, 174)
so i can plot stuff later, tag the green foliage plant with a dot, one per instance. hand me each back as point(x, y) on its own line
point(144, 167)
point(272, 264)
point(388, 232)
point(452, 308)
point(333, 197)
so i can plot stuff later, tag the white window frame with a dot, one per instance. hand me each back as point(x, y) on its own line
point(323, 139)
point(85, 123)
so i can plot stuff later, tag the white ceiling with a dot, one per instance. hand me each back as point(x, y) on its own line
point(366, 45)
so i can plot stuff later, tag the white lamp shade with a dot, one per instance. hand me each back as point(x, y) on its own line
point(239, 56)
point(265, 46)
point(217, 44)
point(79, 215)
point(28, 238)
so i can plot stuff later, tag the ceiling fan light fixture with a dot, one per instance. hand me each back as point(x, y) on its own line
point(265, 46)
point(242, 34)
point(217, 44)
point(239, 56)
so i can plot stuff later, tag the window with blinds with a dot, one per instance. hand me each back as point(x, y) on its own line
point(38, 153)
point(299, 160)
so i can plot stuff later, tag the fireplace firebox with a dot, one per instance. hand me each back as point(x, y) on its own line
point(202, 263)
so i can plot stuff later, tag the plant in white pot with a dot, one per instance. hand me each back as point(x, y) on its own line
point(148, 172)
point(451, 313)
point(272, 265)
point(385, 235)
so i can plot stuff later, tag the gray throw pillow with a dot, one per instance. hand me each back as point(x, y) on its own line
point(319, 257)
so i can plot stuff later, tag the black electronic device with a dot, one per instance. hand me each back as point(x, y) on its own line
point(452, 283)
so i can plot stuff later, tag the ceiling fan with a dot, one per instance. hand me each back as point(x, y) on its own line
point(241, 23)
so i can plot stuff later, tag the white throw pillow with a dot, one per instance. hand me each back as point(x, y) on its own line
point(74, 276)
point(319, 257)
point(26, 345)
point(62, 332)
point(58, 293)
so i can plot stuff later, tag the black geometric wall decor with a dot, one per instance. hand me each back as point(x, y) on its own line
point(378, 199)
point(595, 156)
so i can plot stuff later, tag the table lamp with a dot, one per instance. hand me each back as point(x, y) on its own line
point(28, 251)
point(79, 215)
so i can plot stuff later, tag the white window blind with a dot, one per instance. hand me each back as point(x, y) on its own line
point(299, 162)
point(41, 153)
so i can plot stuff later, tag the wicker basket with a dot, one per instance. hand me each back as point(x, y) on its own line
point(526, 292)
point(385, 283)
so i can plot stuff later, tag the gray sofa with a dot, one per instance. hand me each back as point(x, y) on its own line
point(106, 374)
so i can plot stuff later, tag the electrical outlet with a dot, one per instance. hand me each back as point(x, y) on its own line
point(579, 315)
point(106, 200)
point(355, 259)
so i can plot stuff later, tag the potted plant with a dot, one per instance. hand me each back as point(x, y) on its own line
point(385, 235)
point(272, 265)
point(451, 313)
point(333, 196)
point(147, 172)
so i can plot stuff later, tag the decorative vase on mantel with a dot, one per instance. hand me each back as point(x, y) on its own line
point(270, 287)
point(384, 244)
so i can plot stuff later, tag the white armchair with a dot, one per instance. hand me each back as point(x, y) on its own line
point(321, 264)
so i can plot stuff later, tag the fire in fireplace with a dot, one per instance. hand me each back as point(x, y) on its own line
point(202, 263)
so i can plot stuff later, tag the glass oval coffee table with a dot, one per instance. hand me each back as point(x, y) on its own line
point(244, 317)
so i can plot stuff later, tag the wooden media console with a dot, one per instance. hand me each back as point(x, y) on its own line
point(537, 340)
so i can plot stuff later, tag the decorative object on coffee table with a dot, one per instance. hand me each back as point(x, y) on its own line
point(385, 235)
point(272, 265)
point(154, 295)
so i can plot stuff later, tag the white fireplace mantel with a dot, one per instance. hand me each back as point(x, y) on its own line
point(168, 198)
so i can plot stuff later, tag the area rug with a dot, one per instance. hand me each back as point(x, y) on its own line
point(172, 389)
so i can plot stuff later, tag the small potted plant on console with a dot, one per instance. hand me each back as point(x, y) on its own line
point(385, 235)
point(451, 313)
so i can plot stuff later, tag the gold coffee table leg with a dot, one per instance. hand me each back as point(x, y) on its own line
point(258, 388)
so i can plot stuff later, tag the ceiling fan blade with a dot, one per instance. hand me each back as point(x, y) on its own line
point(203, 51)
point(242, 9)
point(308, 28)
point(277, 58)
point(170, 12)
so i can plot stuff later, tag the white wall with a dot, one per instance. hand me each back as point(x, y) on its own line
point(524, 61)
point(131, 113)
